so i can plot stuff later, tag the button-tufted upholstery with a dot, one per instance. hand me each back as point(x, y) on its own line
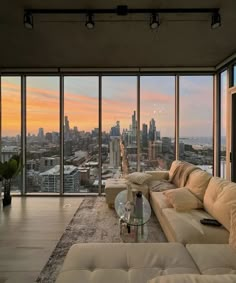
point(124, 262)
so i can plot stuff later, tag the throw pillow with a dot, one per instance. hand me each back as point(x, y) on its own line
point(182, 199)
point(138, 177)
point(160, 185)
point(232, 236)
point(197, 183)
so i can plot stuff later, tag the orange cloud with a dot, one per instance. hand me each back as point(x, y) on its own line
point(43, 109)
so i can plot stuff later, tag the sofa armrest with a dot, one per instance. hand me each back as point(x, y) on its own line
point(158, 175)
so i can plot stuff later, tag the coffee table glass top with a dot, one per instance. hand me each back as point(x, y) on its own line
point(130, 217)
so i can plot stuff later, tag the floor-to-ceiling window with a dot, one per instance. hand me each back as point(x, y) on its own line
point(11, 122)
point(81, 133)
point(196, 120)
point(223, 98)
point(157, 122)
point(119, 126)
point(42, 134)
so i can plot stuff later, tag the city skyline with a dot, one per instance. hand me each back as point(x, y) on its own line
point(119, 97)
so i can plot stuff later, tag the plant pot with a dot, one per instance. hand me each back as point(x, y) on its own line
point(6, 200)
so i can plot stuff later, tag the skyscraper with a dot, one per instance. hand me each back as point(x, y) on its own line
point(41, 134)
point(154, 149)
point(166, 144)
point(67, 128)
point(152, 130)
point(145, 136)
point(133, 128)
point(115, 130)
point(115, 152)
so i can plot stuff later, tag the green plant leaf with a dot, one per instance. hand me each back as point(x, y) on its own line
point(10, 168)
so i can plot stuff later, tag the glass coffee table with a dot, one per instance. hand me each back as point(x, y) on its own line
point(132, 224)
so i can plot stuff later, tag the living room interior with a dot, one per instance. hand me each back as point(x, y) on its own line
point(91, 93)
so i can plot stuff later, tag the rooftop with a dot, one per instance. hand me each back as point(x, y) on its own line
point(68, 169)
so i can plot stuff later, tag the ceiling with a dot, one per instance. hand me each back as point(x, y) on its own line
point(182, 40)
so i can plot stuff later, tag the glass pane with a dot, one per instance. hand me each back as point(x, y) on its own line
point(223, 95)
point(42, 126)
point(81, 135)
point(11, 122)
point(196, 121)
point(119, 126)
point(157, 122)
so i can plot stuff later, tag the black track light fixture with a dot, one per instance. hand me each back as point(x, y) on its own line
point(154, 21)
point(28, 20)
point(123, 10)
point(215, 20)
point(89, 21)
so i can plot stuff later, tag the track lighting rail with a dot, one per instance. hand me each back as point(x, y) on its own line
point(124, 10)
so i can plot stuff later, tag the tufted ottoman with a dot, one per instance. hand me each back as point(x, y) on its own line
point(112, 188)
point(124, 262)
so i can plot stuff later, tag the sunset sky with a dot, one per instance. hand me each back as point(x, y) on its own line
point(118, 103)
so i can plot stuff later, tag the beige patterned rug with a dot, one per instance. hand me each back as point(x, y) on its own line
point(92, 222)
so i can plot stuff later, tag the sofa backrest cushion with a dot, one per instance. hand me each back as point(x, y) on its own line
point(232, 237)
point(197, 182)
point(173, 167)
point(194, 278)
point(179, 175)
point(219, 197)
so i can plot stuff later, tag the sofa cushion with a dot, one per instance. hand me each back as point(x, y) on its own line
point(213, 259)
point(124, 262)
point(158, 175)
point(181, 173)
point(159, 200)
point(160, 185)
point(219, 198)
point(175, 164)
point(138, 177)
point(194, 278)
point(232, 237)
point(186, 227)
point(182, 199)
point(197, 183)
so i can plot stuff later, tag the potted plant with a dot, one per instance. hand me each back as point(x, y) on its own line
point(8, 170)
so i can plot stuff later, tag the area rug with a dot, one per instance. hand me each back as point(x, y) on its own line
point(93, 221)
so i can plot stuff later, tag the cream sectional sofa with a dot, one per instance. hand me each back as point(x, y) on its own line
point(195, 253)
point(146, 262)
point(217, 195)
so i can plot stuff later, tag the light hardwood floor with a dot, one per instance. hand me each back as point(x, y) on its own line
point(29, 231)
